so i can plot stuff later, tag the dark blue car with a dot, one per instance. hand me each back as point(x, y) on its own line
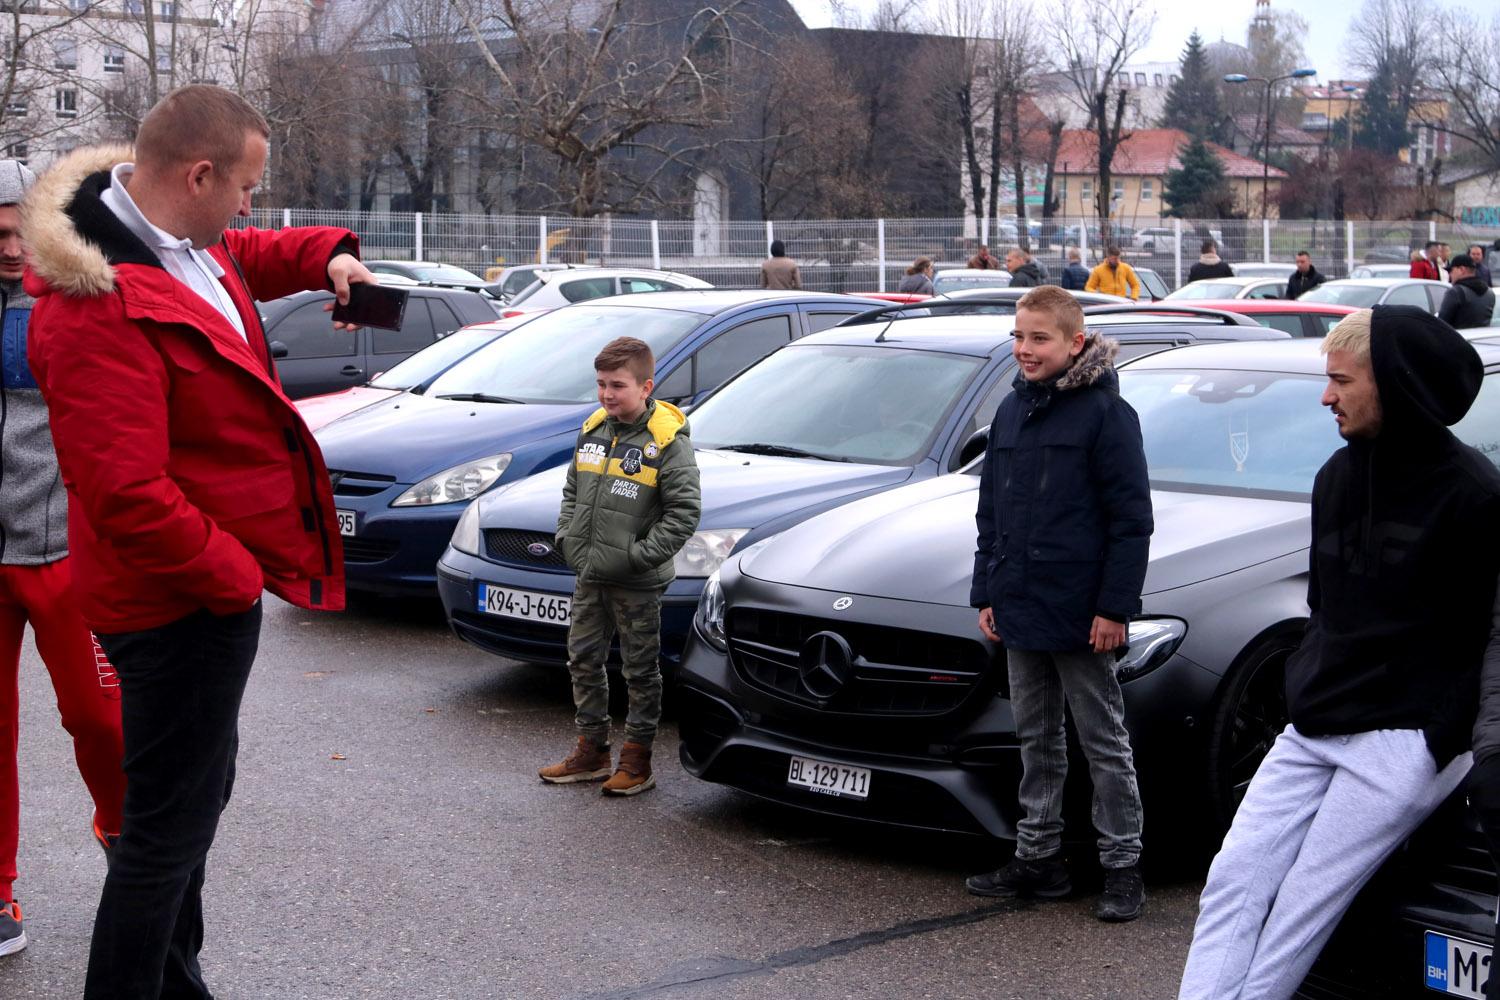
point(405, 469)
point(881, 401)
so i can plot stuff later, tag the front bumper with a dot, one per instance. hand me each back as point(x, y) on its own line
point(459, 575)
point(393, 549)
point(946, 764)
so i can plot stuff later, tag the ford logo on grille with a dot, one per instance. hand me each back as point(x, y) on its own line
point(540, 550)
point(824, 664)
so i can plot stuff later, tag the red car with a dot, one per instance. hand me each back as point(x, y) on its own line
point(1300, 319)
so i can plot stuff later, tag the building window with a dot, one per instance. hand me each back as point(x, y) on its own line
point(1124, 79)
point(1158, 79)
point(67, 102)
point(1119, 191)
point(114, 59)
point(79, 6)
point(1088, 192)
point(17, 151)
point(16, 108)
point(135, 8)
point(1173, 78)
point(1140, 79)
point(65, 53)
point(167, 10)
point(1147, 189)
point(1062, 191)
point(164, 61)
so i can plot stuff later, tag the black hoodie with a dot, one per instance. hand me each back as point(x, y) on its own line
point(1405, 555)
point(1469, 303)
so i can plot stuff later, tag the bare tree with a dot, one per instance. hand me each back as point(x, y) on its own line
point(40, 52)
point(1098, 38)
point(1465, 62)
point(579, 80)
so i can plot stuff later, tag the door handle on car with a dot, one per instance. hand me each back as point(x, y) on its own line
point(351, 371)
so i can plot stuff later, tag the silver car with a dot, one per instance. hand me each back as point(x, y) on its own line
point(845, 646)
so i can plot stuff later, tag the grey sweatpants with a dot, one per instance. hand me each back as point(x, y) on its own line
point(1320, 816)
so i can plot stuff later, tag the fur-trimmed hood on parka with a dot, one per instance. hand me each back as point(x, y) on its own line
point(1094, 362)
point(75, 239)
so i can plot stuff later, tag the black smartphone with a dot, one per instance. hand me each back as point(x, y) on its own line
point(372, 305)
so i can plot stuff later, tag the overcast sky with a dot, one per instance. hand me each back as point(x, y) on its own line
point(1328, 23)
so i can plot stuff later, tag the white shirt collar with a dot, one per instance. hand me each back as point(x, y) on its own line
point(119, 200)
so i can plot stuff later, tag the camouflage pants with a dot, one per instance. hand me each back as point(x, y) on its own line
point(599, 612)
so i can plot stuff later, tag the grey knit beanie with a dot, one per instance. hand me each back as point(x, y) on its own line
point(15, 180)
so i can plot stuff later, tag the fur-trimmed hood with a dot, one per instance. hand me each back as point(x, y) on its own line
point(75, 239)
point(1095, 363)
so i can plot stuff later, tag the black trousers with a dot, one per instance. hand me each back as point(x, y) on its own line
point(180, 691)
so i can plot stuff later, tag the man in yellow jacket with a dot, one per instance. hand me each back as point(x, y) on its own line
point(1114, 277)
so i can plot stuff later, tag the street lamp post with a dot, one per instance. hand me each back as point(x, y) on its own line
point(1265, 158)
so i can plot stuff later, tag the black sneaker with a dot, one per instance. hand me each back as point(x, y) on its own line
point(1124, 895)
point(1042, 878)
point(12, 934)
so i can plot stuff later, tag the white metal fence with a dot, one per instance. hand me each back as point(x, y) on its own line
point(863, 254)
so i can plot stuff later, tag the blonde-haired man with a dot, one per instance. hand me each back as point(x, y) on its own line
point(1382, 692)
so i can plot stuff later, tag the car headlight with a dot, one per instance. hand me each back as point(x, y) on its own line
point(466, 535)
point(462, 482)
point(710, 615)
point(1152, 642)
point(706, 551)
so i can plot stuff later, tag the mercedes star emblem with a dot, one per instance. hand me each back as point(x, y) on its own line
point(824, 664)
point(843, 603)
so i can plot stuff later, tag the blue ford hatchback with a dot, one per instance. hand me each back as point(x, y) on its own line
point(889, 398)
point(405, 469)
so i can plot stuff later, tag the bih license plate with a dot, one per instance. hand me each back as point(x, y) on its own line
point(829, 779)
point(346, 522)
point(1457, 967)
point(524, 604)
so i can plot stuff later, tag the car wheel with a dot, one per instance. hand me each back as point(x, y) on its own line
point(1250, 714)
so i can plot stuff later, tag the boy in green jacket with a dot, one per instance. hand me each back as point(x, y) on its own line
point(630, 503)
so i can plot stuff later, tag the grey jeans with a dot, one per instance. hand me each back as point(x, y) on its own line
point(1040, 683)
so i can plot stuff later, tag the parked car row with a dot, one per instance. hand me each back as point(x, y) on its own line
point(1358, 293)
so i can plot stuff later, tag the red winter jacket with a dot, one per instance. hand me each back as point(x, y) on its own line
point(192, 481)
point(1424, 268)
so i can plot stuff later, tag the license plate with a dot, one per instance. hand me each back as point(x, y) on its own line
point(1456, 967)
point(829, 779)
point(346, 522)
point(524, 604)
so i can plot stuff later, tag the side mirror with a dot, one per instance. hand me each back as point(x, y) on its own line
point(974, 447)
point(279, 350)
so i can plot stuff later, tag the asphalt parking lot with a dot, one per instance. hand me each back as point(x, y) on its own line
point(389, 838)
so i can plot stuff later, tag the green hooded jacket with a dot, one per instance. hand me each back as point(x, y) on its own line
point(631, 500)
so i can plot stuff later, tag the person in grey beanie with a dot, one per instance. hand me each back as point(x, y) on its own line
point(36, 581)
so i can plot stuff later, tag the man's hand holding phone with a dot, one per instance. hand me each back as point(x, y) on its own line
point(344, 270)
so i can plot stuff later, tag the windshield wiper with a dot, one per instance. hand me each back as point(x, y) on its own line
point(780, 450)
point(478, 397)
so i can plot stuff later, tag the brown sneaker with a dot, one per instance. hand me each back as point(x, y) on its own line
point(633, 776)
point(587, 762)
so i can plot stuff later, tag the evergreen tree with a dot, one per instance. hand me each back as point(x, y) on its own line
point(1197, 189)
point(1381, 126)
point(1193, 101)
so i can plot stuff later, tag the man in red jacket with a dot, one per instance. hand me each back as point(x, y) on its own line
point(192, 482)
point(1426, 266)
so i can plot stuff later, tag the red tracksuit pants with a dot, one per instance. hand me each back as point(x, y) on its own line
point(88, 696)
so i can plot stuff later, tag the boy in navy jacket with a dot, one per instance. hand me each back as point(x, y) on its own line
point(1064, 533)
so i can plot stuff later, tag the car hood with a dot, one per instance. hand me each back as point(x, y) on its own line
point(411, 437)
point(319, 410)
point(739, 491)
point(917, 543)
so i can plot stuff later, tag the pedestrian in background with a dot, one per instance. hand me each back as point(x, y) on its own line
point(982, 261)
point(1481, 264)
point(918, 279)
point(1024, 272)
point(1062, 620)
point(1075, 276)
point(1425, 265)
point(1305, 278)
point(1469, 302)
point(630, 502)
point(36, 583)
point(779, 271)
point(1381, 693)
point(1210, 264)
point(1114, 277)
point(193, 484)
